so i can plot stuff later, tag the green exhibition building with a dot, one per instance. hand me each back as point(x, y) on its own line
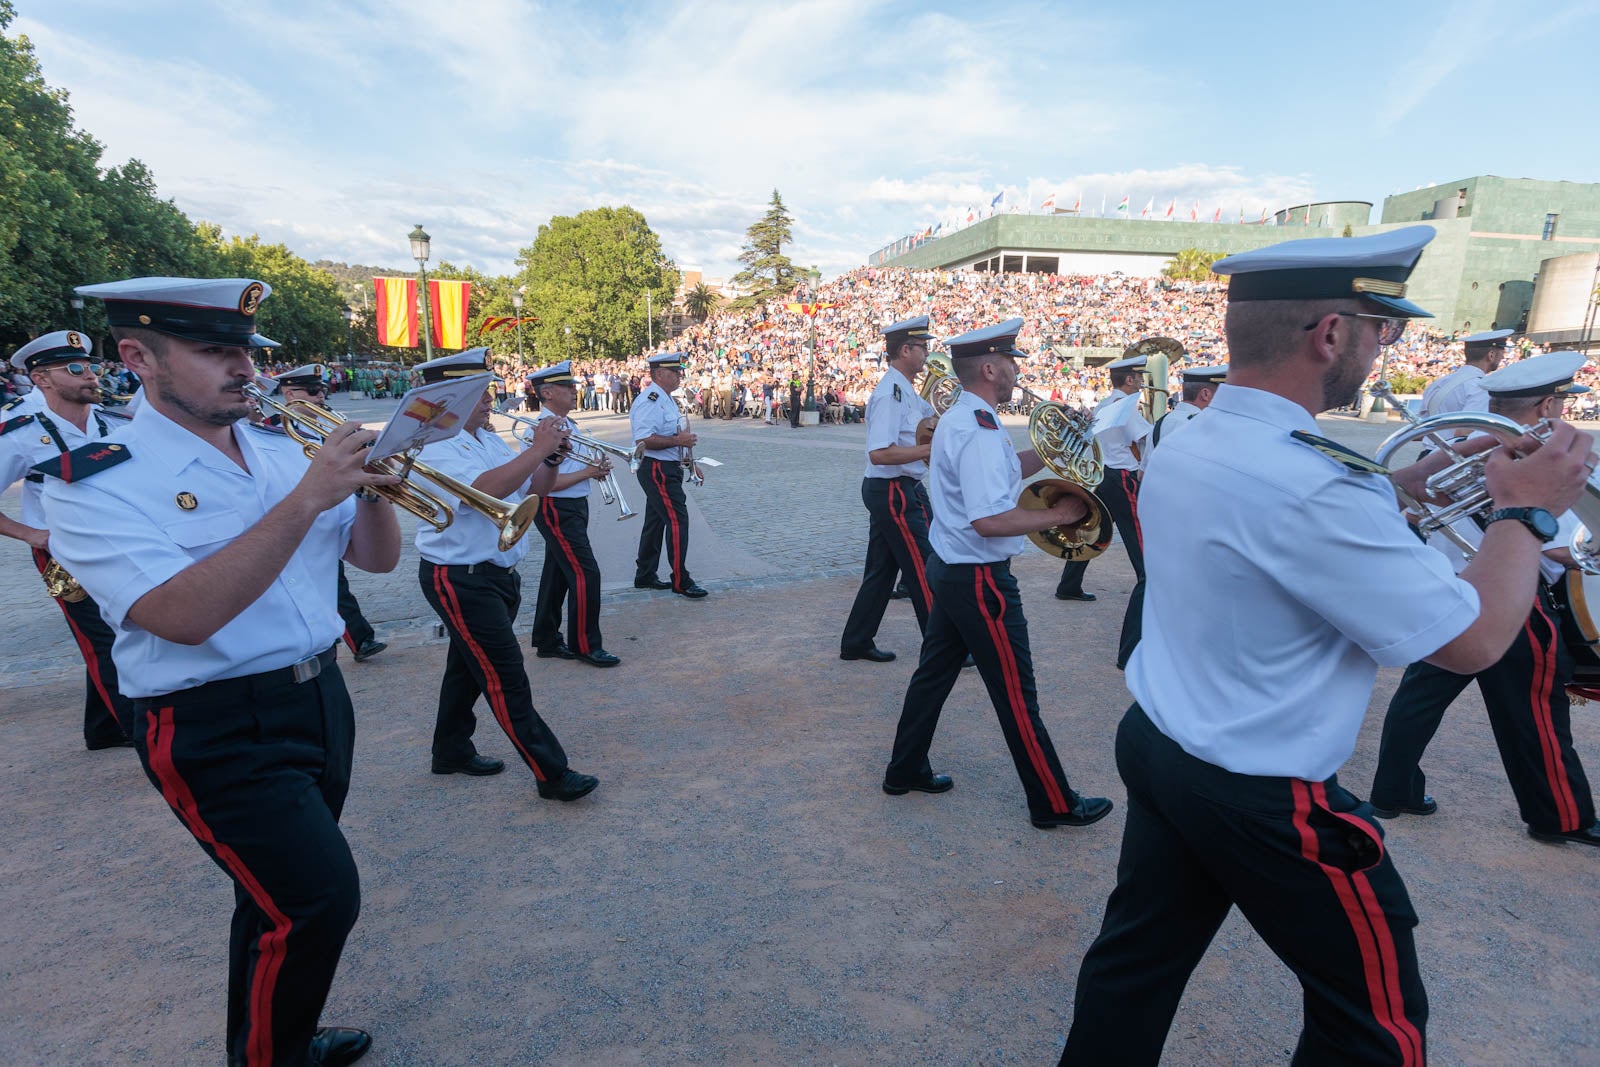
point(1497, 237)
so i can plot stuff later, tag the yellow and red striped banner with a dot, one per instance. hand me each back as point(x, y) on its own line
point(810, 310)
point(396, 317)
point(450, 301)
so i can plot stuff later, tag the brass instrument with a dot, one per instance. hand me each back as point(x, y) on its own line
point(1160, 353)
point(1461, 482)
point(691, 473)
point(938, 385)
point(589, 450)
point(1064, 439)
point(310, 423)
point(61, 585)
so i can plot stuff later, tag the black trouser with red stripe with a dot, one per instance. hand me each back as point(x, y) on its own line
point(897, 543)
point(357, 630)
point(1526, 698)
point(107, 714)
point(478, 605)
point(257, 770)
point(1303, 861)
point(666, 519)
point(1119, 491)
point(570, 575)
point(977, 610)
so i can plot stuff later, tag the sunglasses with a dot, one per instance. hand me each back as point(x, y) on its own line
point(1390, 328)
point(76, 369)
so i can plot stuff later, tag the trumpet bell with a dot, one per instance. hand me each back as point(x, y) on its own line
point(1082, 541)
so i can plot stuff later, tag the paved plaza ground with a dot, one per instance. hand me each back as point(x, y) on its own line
point(738, 890)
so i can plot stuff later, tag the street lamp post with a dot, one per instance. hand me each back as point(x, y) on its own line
point(419, 252)
point(77, 308)
point(516, 306)
point(568, 330)
point(349, 334)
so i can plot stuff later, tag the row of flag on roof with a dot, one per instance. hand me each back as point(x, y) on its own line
point(1055, 204)
point(397, 314)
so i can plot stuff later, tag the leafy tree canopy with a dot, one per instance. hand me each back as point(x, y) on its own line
point(768, 274)
point(1191, 265)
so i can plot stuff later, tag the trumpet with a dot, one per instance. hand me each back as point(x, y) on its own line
point(691, 473)
point(589, 450)
point(310, 423)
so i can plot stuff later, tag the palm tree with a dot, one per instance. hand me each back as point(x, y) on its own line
point(701, 301)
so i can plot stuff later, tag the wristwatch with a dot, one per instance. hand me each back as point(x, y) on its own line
point(1539, 522)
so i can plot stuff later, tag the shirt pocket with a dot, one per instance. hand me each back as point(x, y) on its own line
point(205, 534)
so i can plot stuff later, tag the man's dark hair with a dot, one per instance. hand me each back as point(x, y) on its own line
point(1261, 332)
point(154, 340)
point(1192, 390)
point(1515, 407)
point(1118, 377)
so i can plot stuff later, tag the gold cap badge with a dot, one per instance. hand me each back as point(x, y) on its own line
point(187, 501)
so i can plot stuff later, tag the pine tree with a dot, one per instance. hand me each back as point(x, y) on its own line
point(768, 273)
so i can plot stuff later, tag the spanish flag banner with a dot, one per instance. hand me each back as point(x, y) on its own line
point(450, 312)
point(397, 311)
point(810, 310)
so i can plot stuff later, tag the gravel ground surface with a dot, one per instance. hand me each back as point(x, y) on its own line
point(738, 890)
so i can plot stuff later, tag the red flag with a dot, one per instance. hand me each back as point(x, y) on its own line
point(396, 316)
point(810, 310)
point(1218, 216)
point(450, 301)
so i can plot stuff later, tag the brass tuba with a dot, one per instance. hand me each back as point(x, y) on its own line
point(309, 423)
point(1160, 353)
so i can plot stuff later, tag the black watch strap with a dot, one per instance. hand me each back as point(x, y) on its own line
point(1539, 522)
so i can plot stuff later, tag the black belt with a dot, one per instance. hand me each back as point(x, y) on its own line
point(474, 568)
point(244, 686)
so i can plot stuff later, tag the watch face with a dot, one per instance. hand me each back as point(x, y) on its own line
point(1544, 523)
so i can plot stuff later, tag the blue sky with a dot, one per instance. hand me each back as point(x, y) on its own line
point(334, 127)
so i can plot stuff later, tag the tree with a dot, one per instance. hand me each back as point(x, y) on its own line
point(306, 310)
point(768, 274)
point(701, 301)
point(1191, 265)
point(590, 272)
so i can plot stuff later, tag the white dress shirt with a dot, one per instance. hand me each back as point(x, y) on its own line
point(578, 490)
point(123, 531)
point(1460, 390)
point(973, 473)
point(1118, 425)
point(1280, 580)
point(893, 411)
point(32, 442)
point(471, 538)
point(654, 414)
point(1171, 423)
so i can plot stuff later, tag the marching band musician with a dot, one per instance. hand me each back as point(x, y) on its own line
point(658, 432)
point(975, 477)
point(310, 384)
point(1462, 389)
point(63, 413)
point(892, 490)
point(570, 575)
point(211, 548)
point(1307, 579)
point(476, 590)
point(1119, 438)
point(1524, 692)
point(1199, 386)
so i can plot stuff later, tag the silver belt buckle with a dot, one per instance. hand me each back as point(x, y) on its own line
point(307, 669)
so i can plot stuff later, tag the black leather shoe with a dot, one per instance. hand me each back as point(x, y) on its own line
point(601, 658)
point(555, 652)
point(873, 653)
point(570, 786)
point(368, 649)
point(475, 765)
point(335, 1046)
point(900, 593)
point(1087, 598)
point(1427, 807)
point(651, 583)
point(1589, 835)
point(1085, 810)
point(692, 591)
point(928, 783)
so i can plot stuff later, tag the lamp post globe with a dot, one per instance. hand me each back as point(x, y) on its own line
point(419, 251)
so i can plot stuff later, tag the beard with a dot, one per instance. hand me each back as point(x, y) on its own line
point(225, 410)
point(1341, 385)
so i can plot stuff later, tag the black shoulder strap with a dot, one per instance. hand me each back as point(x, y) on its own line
point(1339, 453)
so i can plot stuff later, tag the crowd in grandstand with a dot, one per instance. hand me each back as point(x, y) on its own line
point(755, 362)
